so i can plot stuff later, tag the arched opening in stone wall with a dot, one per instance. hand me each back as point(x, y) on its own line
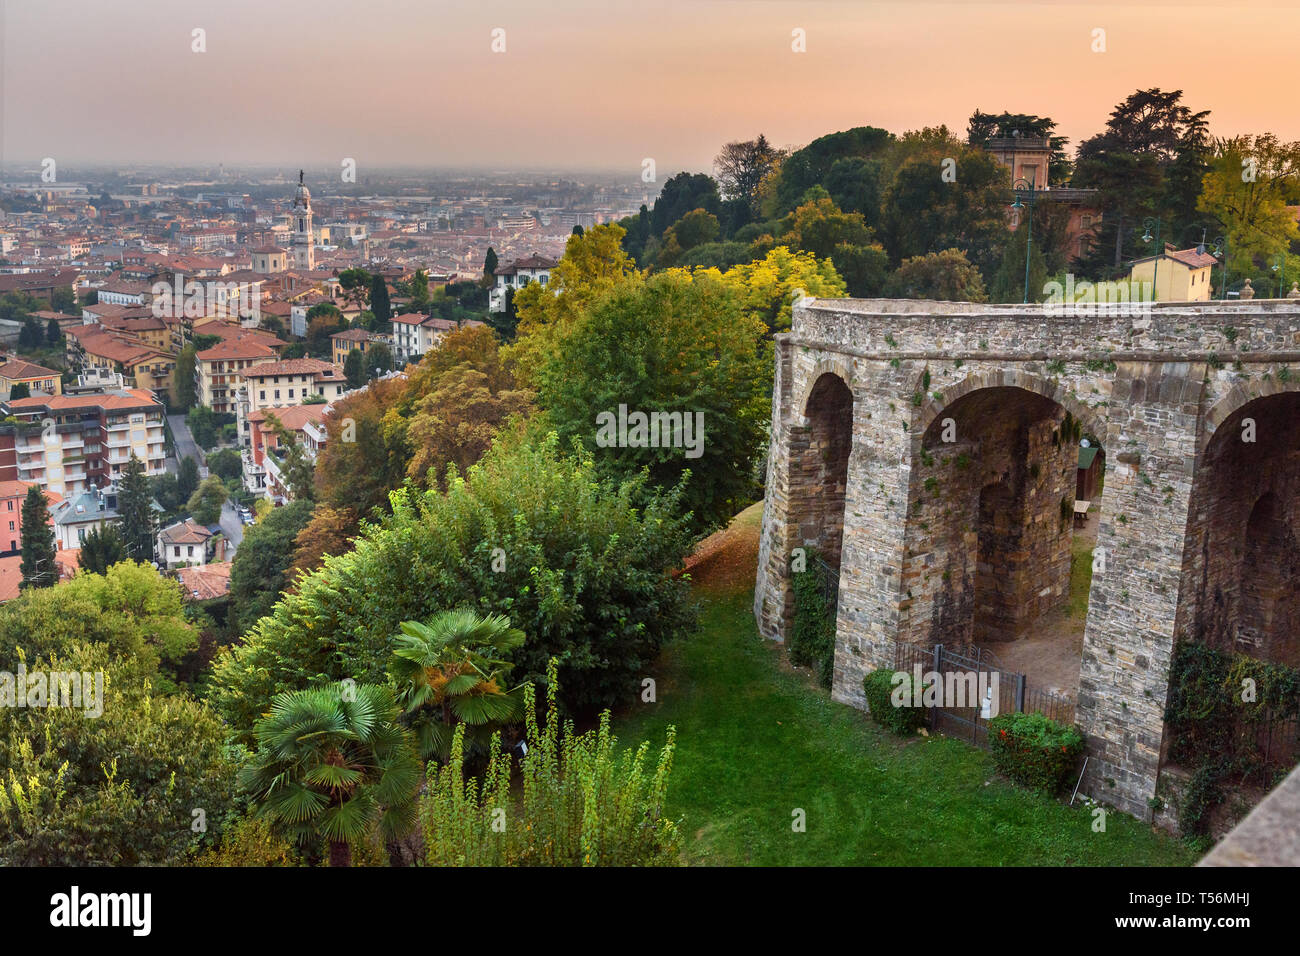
point(1239, 603)
point(996, 555)
point(820, 468)
point(1243, 566)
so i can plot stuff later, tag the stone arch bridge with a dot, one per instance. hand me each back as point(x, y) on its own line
point(929, 450)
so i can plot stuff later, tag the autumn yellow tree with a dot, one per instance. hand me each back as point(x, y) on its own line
point(1252, 180)
point(765, 288)
point(593, 264)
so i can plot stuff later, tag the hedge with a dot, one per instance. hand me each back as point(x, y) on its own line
point(1035, 750)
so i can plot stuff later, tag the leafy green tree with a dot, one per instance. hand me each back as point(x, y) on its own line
point(226, 463)
point(355, 284)
point(452, 671)
point(131, 609)
point(765, 288)
point(19, 390)
point(102, 549)
point(258, 570)
point(53, 334)
point(205, 504)
point(379, 359)
point(135, 507)
point(924, 211)
point(812, 166)
point(693, 229)
point(1148, 161)
point(39, 567)
point(947, 276)
point(204, 426)
point(31, 336)
point(742, 167)
point(1249, 187)
point(420, 291)
point(490, 264)
point(333, 764)
point(187, 477)
point(582, 567)
point(681, 194)
point(63, 300)
point(1009, 282)
point(166, 491)
point(680, 347)
point(121, 789)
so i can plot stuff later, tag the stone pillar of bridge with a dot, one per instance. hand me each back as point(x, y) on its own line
point(773, 596)
point(1133, 604)
point(871, 606)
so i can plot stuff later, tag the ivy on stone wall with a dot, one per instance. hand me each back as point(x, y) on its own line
point(1218, 702)
point(812, 638)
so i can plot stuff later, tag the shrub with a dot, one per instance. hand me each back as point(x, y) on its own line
point(583, 801)
point(120, 789)
point(250, 841)
point(537, 537)
point(1034, 750)
point(879, 687)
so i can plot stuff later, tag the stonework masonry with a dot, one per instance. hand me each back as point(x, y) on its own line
point(929, 448)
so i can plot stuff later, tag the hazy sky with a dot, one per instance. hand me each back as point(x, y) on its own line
point(600, 83)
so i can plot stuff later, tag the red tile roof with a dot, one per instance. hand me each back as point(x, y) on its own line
point(206, 583)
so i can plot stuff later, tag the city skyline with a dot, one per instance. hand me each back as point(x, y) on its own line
point(285, 85)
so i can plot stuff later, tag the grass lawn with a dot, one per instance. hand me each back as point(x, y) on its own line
point(757, 739)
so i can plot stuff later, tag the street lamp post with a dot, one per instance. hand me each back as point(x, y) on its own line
point(1279, 266)
point(1019, 186)
point(1220, 251)
point(1147, 223)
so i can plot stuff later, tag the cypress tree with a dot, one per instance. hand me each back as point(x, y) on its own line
point(38, 567)
point(135, 506)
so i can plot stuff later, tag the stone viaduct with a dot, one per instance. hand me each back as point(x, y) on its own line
point(928, 449)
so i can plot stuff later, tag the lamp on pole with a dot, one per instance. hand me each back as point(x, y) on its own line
point(1279, 266)
point(1220, 252)
point(1147, 225)
point(1018, 187)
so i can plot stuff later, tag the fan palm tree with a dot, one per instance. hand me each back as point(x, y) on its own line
point(334, 763)
point(451, 671)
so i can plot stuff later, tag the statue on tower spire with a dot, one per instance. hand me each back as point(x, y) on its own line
point(300, 177)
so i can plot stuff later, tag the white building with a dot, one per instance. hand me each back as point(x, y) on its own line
point(416, 334)
point(516, 275)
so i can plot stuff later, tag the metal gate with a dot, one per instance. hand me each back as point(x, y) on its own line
point(969, 665)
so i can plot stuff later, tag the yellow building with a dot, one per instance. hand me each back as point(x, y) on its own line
point(349, 339)
point(36, 377)
point(1179, 275)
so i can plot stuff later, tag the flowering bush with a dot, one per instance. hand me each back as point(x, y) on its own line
point(1034, 750)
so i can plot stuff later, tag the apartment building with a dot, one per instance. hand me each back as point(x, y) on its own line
point(12, 496)
point(94, 348)
point(219, 370)
point(263, 462)
point(286, 383)
point(71, 443)
point(416, 334)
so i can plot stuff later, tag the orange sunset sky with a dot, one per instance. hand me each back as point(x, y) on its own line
point(588, 84)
